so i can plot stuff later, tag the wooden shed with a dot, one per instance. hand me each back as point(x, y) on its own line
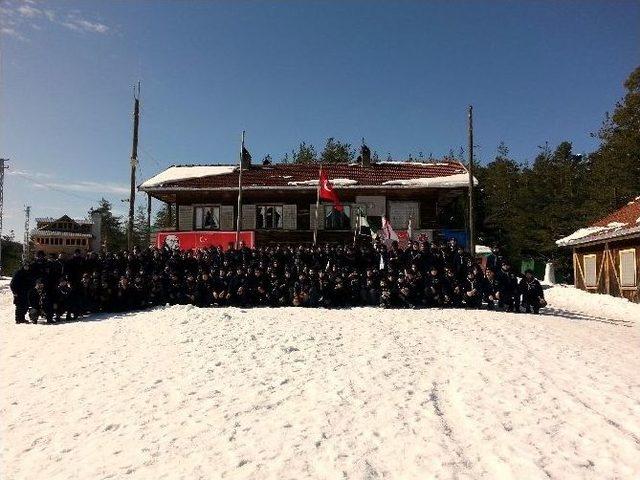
point(606, 254)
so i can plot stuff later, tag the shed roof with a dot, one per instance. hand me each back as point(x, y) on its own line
point(622, 223)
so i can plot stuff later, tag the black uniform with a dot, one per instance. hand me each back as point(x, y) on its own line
point(20, 285)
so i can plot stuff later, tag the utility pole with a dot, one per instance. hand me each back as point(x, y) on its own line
point(148, 219)
point(3, 167)
point(134, 164)
point(472, 241)
point(239, 216)
point(26, 241)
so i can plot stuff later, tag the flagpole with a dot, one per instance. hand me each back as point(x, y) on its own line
point(239, 216)
point(315, 229)
point(356, 231)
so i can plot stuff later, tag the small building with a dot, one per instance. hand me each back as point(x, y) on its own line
point(606, 254)
point(279, 201)
point(66, 234)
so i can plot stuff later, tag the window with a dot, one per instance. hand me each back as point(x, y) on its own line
point(590, 278)
point(207, 217)
point(84, 241)
point(268, 216)
point(628, 268)
point(336, 220)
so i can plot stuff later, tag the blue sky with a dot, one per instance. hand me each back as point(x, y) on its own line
point(399, 74)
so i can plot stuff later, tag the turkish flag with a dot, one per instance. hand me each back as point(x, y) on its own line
point(326, 191)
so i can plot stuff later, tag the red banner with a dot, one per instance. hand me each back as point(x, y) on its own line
point(191, 240)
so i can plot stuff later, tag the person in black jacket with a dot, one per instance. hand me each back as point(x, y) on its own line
point(532, 293)
point(40, 304)
point(64, 300)
point(508, 294)
point(20, 286)
point(492, 288)
point(472, 288)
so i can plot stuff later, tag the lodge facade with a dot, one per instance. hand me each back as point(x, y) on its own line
point(606, 254)
point(66, 234)
point(279, 200)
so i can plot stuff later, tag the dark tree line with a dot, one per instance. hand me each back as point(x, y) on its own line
point(527, 207)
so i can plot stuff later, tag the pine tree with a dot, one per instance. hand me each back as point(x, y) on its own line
point(337, 152)
point(140, 228)
point(306, 153)
point(554, 195)
point(615, 167)
point(499, 210)
point(164, 218)
point(113, 232)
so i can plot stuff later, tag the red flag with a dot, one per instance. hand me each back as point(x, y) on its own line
point(327, 192)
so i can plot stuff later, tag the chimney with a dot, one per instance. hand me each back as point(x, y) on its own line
point(365, 155)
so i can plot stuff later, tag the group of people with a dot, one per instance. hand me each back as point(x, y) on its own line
point(424, 274)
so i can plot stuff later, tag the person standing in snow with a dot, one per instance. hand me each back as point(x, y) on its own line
point(495, 260)
point(508, 293)
point(20, 285)
point(532, 293)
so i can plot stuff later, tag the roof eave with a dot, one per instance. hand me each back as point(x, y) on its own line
point(158, 189)
point(605, 237)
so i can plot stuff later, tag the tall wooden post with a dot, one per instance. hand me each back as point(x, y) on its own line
point(148, 219)
point(134, 164)
point(472, 233)
point(239, 216)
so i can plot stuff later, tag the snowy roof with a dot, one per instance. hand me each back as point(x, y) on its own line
point(57, 233)
point(621, 223)
point(450, 181)
point(446, 174)
point(51, 220)
point(185, 172)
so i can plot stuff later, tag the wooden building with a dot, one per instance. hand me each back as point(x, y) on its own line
point(279, 200)
point(606, 254)
point(66, 235)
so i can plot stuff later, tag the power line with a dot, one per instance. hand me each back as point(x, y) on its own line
point(28, 178)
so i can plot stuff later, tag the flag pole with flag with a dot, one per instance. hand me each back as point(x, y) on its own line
point(325, 192)
point(315, 228)
point(387, 233)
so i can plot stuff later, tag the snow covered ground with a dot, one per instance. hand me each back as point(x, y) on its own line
point(187, 393)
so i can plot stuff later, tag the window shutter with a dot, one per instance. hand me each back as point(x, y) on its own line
point(185, 217)
point(290, 217)
point(590, 276)
point(226, 218)
point(312, 217)
point(628, 268)
point(248, 217)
